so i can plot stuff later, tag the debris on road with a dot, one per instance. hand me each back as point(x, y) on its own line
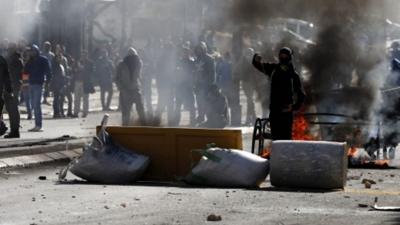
point(123, 205)
point(362, 205)
point(104, 161)
point(368, 181)
point(367, 185)
point(214, 218)
point(228, 168)
point(42, 178)
point(385, 208)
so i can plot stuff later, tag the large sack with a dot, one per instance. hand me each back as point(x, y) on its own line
point(306, 164)
point(228, 168)
point(104, 161)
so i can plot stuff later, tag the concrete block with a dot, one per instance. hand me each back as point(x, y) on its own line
point(305, 164)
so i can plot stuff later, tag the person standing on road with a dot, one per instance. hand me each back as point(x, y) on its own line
point(38, 68)
point(104, 70)
point(226, 83)
point(205, 78)
point(184, 94)
point(50, 56)
point(15, 67)
point(8, 99)
point(83, 86)
point(287, 94)
point(57, 86)
point(128, 81)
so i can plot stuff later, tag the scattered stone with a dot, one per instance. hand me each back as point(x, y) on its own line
point(346, 196)
point(367, 185)
point(137, 199)
point(106, 207)
point(380, 180)
point(123, 205)
point(214, 218)
point(368, 181)
point(40, 212)
point(73, 196)
point(391, 175)
point(363, 205)
point(42, 178)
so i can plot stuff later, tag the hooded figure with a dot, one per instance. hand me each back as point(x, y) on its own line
point(205, 78)
point(287, 94)
point(128, 81)
point(38, 68)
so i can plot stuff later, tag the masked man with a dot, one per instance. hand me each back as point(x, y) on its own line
point(287, 94)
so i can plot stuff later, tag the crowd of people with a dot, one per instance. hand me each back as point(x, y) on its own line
point(188, 76)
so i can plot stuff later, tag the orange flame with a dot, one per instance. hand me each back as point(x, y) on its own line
point(301, 129)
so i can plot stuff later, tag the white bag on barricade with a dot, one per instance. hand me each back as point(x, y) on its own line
point(104, 161)
point(228, 168)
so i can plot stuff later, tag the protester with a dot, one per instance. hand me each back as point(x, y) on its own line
point(104, 70)
point(83, 86)
point(50, 56)
point(8, 99)
point(128, 81)
point(38, 68)
point(58, 86)
point(287, 95)
point(205, 78)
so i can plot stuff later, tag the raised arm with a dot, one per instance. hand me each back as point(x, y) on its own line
point(266, 68)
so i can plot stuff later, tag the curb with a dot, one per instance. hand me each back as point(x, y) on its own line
point(40, 149)
point(38, 159)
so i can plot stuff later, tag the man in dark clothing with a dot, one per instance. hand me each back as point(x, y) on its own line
point(57, 86)
point(104, 70)
point(8, 99)
point(128, 81)
point(38, 68)
point(226, 81)
point(83, 84)
point(15, 68)
point(205, 78)
point(50, 56)
point(184, 94)
point(287, 93)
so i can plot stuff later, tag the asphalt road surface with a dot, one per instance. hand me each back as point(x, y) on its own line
point(25, 199)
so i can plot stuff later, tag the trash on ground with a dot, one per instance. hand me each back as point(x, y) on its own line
point(385, 208)
point(104, 161)
point(362, 205)
point(368, 181)
point(220, 167)
point(42, 178)
point(214, 218)
point(367, 185)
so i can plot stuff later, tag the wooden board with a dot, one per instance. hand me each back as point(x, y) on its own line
point(170, 149)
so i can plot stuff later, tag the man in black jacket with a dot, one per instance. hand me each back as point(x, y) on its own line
point(8, 99)
point(287, 94)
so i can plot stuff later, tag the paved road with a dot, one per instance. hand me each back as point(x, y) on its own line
point(27, 200)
